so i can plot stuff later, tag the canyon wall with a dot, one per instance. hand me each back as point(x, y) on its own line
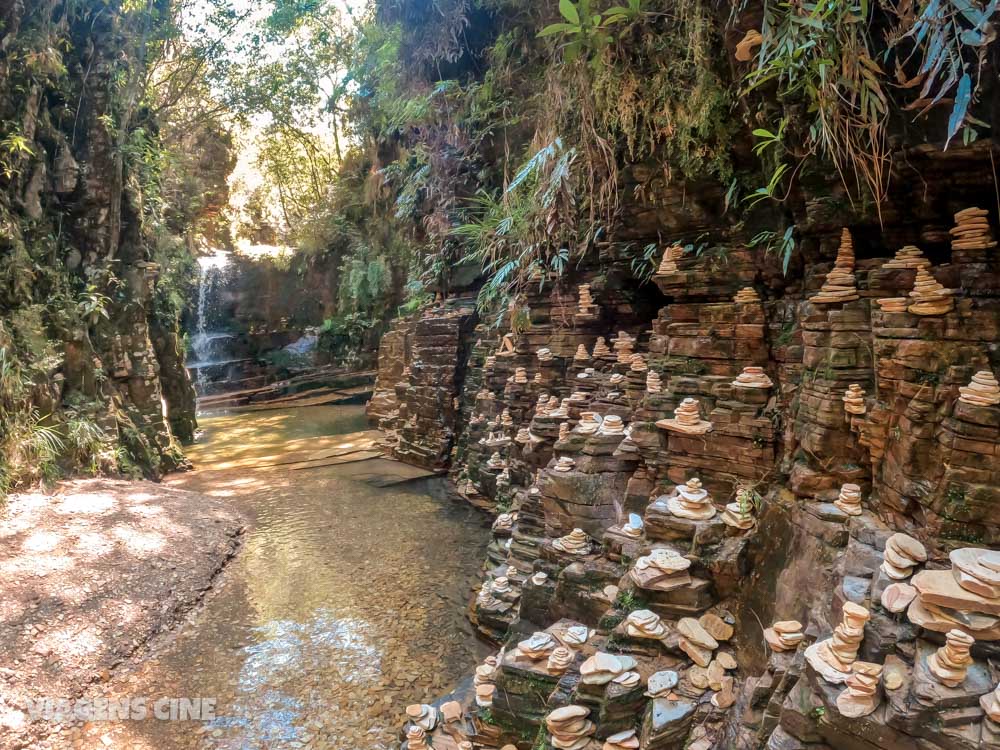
point(861, 385)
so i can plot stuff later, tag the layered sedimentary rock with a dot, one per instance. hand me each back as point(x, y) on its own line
point(746, 454)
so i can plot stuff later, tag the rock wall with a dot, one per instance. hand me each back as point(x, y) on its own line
point(705, 501)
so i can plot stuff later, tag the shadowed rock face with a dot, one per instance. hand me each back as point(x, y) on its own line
point(859, 397)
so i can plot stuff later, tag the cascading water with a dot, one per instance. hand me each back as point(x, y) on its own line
point(207, 345)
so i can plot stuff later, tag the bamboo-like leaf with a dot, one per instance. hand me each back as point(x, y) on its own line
point(963, 96)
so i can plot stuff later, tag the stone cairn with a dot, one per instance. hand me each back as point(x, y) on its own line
point(784, 635)
point(560, 660)
point(661, 570)
point(575, 543)
point(565, 463)
point(849, 500)
point(611, 425)
point(423, 715)
point(752, 377)
point(668, 264)
point(654, 384)
point(581, 354)
point(840, 284)
point(637, 363)
point(520, 376)
point(642, 623)
point(539, 646)
point(544, 354)
point(746, 296)
point(496, 461)
point(587, 308)
point(967, 596)
point(854, 399)
point(909, 256)
point(687, 419)
point(506, 420)
point(892, 304)
point(600, 348)
point(416, 739)
point(983, 390)
point(691, 501)
point(949, 664)
point(738, 515)
point(569, 727)
point(589, 424)
point(602, 668)
point(624, 346)
point(861, 696)
point(929, 297)
point(833, 658)
point(696, 641)
point(972, 230)
point(902, 554)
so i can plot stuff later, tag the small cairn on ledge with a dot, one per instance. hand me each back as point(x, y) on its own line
point(642, 623)
point(753, 377)
point(589, 424)
point(983, 390)
point(661, 570)
point(569, 727)
point(581, 354)
point(861, 696)
point(654, 384)
point(849, 500)
point(949, 664)
point(668, 264)
point(854, 399)
point(784, 635)
point(626, 740)
point(687, 419)
point(691, 501)
point(840, 284)
point(929, 297)
point(539, 646)
point(600, 349)
point(738, 515)
point(544, 354)
point(564, 464)
point(971, 231)
point(832, 658)
point(892, 304)
point(902, 554)
point(560, 660)
point(910, 256)
point(587, 309)
point(624, 346)
point(575, 543)
point(746, 296)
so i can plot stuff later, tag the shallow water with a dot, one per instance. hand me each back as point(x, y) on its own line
point(345, 604)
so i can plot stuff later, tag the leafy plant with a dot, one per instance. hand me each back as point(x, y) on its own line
point(589, 33)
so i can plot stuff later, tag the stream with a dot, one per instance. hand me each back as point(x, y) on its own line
point(345, 604)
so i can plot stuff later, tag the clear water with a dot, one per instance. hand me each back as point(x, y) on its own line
point(345, 604)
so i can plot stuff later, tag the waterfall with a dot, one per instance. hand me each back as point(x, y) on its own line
point(207, 345)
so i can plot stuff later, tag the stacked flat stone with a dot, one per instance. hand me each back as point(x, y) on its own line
point(861, 696)
point(600, 348)
point(563, 430)
point(520, 376)
point(523, 437)
point(661, 684)
point(627, 740)
point(560, 411)
point(560, 660)
point(983, 390)
point(695, 641)
point(840, 284)
point(854, 399)
point(589, 424)
point(542, 404)
point(903, 553)
point(539, 646)
point(849, 500)
point(506, 420)
point(484, 696)
point(611, 425)
point(892, 304)
point(633, 527)
point(948, 665)
point(977, 570)
point(544, 354)
point(587, 374)
point(624, 346)
point(654, 384)
point(416, 739)
point(637, 363)
point(661, 570)
point(784, 635)
point(833, 657)
point(496, 461)
point(972, 230)
point(966, 597)
point(668, 264)
point(690, 500)
point(565, 463)
point(616, 378)
point(575, 543)
point(500, 585)
point(642, 623)
point(569, 727)
point(586, 304)
point(423, 715)
point(990, 703)
point(909, 256)
point(490, 362)
point(602, 668)
point(687, 419)
point(929, 297)
point(752, 377)
point(738, 515)
point(504, 522)
point(746, 296)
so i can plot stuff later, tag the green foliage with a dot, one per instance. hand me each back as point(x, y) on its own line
point(587, 34)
